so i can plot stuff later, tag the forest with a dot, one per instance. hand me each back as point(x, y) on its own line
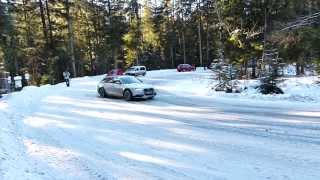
point(90, 37)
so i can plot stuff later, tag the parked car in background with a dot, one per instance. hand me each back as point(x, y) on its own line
point(127, 87)
point(115, 72)
point(185, 68)
point(136, 71)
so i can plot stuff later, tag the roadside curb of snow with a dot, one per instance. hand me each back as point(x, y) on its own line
point(13, 157)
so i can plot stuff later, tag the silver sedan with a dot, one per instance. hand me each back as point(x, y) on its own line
point(127, 87)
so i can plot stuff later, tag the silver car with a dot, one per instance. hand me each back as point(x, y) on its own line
point(136, 71)
point(127, 87)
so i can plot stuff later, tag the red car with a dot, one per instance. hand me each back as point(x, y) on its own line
point(185, 68)
point(115, 72)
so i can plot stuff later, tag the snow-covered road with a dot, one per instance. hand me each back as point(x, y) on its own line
point(54, 132)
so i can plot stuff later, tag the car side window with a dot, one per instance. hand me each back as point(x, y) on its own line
point(109, 80)
point(116, 81)
point(142, 68)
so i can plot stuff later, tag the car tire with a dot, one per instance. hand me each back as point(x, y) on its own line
point(127, 95)
point(102, 93)
point(144, 74)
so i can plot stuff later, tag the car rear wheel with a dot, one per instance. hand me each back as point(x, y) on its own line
point(127, 95)
point(102, 93)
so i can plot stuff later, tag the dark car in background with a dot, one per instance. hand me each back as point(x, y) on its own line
point(185, 68)
point(115, 72)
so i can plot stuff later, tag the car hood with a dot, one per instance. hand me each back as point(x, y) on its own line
point(138, 85)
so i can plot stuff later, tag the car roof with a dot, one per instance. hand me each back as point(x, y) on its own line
point(137, 66)
point(118, 76)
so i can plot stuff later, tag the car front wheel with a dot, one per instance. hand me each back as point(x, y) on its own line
point(127, 95)
point(102, 92)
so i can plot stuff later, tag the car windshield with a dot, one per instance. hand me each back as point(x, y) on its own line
point(129, 80)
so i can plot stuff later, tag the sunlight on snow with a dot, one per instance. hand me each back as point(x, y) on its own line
point(305, 113)
point(148, 159)
point(39, 122)
point(127, 117)
point(3, 105)
point(174, 146)
point(189, 133)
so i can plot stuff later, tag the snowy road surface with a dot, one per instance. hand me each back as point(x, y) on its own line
point(54, 132)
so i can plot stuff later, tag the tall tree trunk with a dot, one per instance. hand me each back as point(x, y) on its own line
point(208, 45)
point(246, 69)
point(71, 39)
point(264, 42)
point(184, 47)
point(114, 57)
point(28, 30)
point(200, 43)
point(95, 31)
point(297, 69)
point(183, 36)
point(43, 21)
point(254, 66)
point(49, 25)
point(171, 55)
point(92, 66)
point(199, 35)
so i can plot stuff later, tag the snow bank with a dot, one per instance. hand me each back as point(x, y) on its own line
point(298, 90)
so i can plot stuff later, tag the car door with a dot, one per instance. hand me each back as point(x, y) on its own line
point(117, 88)
point(108, 86)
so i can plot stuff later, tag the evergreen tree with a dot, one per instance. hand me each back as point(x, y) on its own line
point(38, 36)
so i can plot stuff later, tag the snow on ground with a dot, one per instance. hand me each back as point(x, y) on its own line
point(299, 91)
point(187, 132)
